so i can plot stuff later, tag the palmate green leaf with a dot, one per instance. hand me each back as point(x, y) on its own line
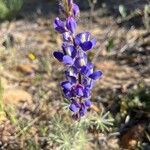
point(102, 121)
point(67, 136)
point(64, 141)
point(81, 139)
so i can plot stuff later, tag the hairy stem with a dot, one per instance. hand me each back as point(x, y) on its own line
point(79, 78)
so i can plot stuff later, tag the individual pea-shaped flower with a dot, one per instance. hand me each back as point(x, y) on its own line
point(72, 74)
point(87, 70)
point(67, 60)
point(87, 92)
point(79, 90)
point(59, 25)
point(71, 24)
point(67, 56)
point(84, 106)
point(79, 108)
point(81, 60)
point(66, 85)
point(71, 71)
point(67, 89)
point(69, 50)
point(74, 107)
point(75, 10)
point(95, 75)
point(84, 41)
point(67, 37)
point(82, 110)
point(68, 8)
point(88, 82)
point(58, 55)
point(87, 103)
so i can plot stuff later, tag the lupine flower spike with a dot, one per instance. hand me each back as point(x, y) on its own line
point(80, 75)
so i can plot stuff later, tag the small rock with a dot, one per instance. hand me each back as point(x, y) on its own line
point(16, 96)
point(27, 68)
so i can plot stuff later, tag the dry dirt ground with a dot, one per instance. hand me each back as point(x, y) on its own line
point(30, 75)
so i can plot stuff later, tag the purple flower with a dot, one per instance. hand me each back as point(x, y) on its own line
point(59, 25)
point(79, 73)
point(73, 108)
point(67, 37)
point(71, 71)
point(83, 40)
point(69, 50)
point(87, 82)
point(87, 103)
point(71, 24)
point(82, 110)
point(95, 75)
point(58, 55)
point(67, 60)
point(79, 90)
point(71, 79)
point(87, 70)
point(75, 9)
point(67, 93)
point(81, 60)
point(86, 92)
point(66, 85)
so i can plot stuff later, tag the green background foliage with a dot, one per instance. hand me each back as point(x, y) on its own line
point(9, 8)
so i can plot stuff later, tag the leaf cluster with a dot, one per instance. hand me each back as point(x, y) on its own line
point(139, 97)
point(70, 135)
point(9, 8)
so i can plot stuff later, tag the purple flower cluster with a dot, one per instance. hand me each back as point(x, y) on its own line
point(79, 72)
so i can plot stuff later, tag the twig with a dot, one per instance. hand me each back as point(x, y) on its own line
point(130, 44)
point(92, 4)
point(147, 135)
